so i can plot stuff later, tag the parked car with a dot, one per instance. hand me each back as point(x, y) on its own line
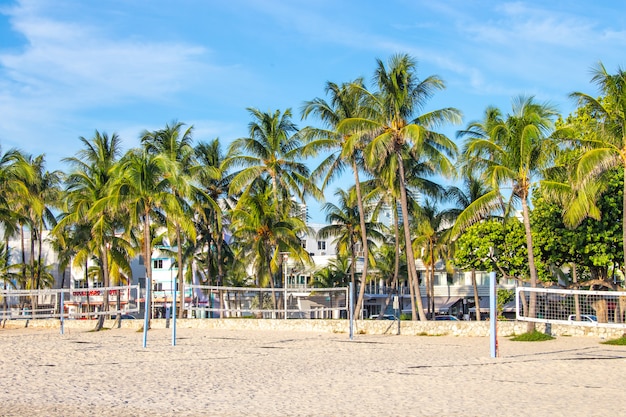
point(584, 317)
point(448, 317)
point(128, 317)
point(385, 317)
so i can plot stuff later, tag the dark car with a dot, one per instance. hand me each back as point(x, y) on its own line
point(451, 318)
point(128, 317)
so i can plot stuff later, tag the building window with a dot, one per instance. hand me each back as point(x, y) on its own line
point(321, 245)
point(157, 264)
point(303, 243)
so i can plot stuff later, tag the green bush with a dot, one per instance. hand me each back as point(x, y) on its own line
point(534, 336)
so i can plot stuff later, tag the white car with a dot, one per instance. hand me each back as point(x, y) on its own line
point(589, 318)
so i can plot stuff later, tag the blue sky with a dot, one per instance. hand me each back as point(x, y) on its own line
point(69, 67)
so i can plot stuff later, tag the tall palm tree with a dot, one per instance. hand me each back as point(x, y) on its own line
point(606, 149)
point(142, 189)
point(345, 226)
point(514, 154)
point(174, 143)
point(346, 101)
point(93, 170)
point(215, 183)
point(398, 131)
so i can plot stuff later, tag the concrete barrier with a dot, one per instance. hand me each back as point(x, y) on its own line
point(411, 328)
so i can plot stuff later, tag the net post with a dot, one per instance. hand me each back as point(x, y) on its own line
point(62, 295)
point(174, 312)
point(493, 315)
point(351, 309)
point(146, 316)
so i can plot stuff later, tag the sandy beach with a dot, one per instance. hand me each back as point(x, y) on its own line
point(276, 373)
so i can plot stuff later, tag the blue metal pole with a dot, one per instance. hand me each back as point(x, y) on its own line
point(174, 315)
point(493, 315)
point(146, 316)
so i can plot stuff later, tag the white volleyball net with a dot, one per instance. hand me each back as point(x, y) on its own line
point(579, 307)
point(311, 303)
point(70, 303)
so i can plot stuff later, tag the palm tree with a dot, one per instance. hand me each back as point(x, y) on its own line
point(15, 172)
point(344, 225)
point(87, 186)
point(263, 229)
point(346, 101)
point(174, 144)
point(607, 148)
point(461, 199)
point(432, 238)
point(513, 155)
point(214, 182)
point(273, 150)
point(336, 274)
point(398, 131)
point(142, 189)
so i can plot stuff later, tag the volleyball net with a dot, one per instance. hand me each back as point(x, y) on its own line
point(71, 303)
point(290, 303)
point(579, 307)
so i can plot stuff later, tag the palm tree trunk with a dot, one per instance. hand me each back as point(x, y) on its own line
point(147, 244)
point(359, 202)
point(624, 220)
point(476, 299)
point(104, 260)
point(410, 258)
point(576, 297)
point(532, 305)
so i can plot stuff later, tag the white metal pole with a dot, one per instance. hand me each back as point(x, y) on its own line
point(174, 313)
point(351, 310)
point(146, 316)
point(493, 315)
point(285, 259)
point(62, 294)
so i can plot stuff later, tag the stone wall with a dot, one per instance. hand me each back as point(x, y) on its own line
point(431, 328)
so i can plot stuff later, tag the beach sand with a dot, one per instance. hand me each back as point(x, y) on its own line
point(277, 373)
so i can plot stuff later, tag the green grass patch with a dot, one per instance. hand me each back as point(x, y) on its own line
point(534, 336)
point(616, 342)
